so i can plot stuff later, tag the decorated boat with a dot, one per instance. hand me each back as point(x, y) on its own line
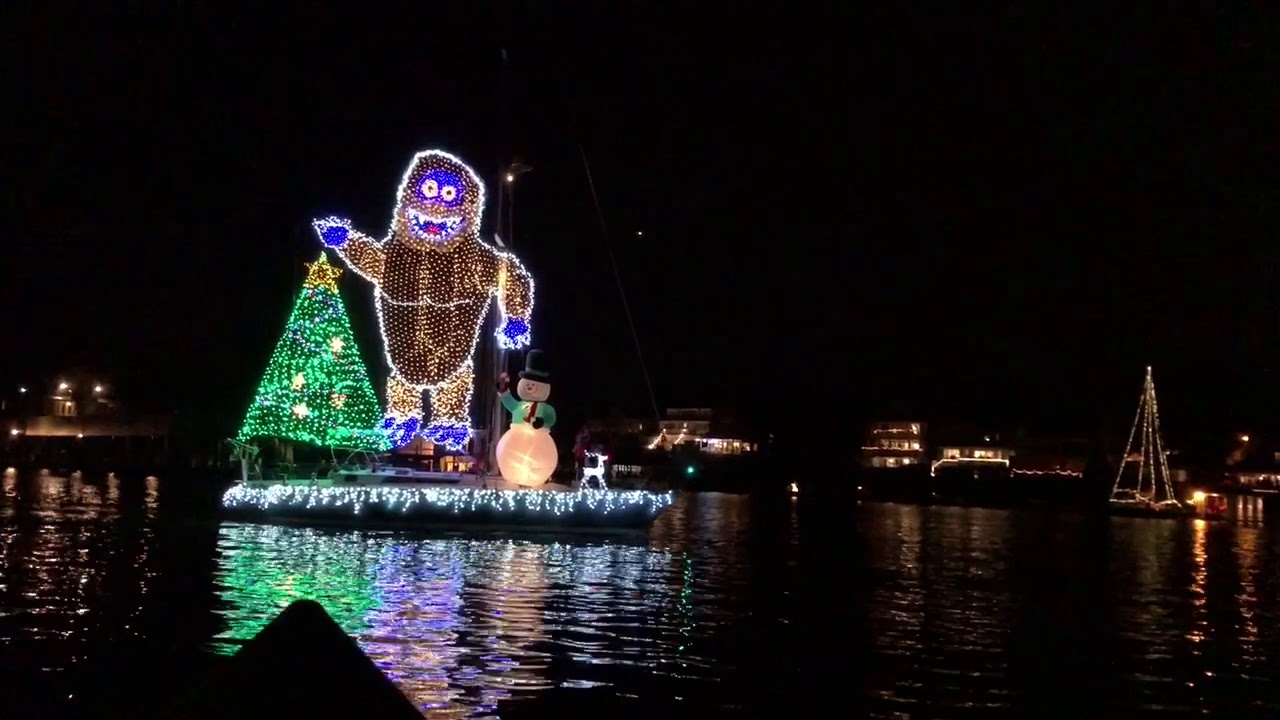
point(365, 491)
point(316, 391)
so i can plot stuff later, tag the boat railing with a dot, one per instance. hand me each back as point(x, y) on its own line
point(253, 468)
point(296, 471)
point(353, 457)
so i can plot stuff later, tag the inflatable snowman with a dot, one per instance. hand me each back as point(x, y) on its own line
point(526, 452)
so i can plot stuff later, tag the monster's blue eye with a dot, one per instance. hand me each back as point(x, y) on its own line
point(441, 185)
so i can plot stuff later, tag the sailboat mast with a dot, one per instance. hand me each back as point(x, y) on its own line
point(498, 360)
point(498, 356)
point(508, 170)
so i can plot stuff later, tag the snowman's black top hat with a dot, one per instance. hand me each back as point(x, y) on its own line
point(535, 367)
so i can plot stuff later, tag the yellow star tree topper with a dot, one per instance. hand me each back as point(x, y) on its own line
point(320, 274)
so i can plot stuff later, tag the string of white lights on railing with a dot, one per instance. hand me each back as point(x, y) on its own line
point(981, 461)
point(657, 439)
point(1065, 473)
point(455, 500)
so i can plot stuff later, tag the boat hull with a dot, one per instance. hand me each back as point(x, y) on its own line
point(1149, 511)
point(600, 511)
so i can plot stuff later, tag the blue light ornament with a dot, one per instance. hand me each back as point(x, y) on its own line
point(333, 231)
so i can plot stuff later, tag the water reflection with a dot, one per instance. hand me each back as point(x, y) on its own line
point(68, 582)
point(413, 633)
point(938, 615)
point(152, 499)
point(882, 610)
point(463, 624)
point(337, 570)
point(1246, 552)
point(985, 609)
point(1199, 576)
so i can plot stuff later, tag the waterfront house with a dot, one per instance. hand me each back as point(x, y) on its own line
point(970, 451)
point(1252, 468)
point(710, 432)
point(1065, 457)
point(73, 421)
point(691, 443)
point(893, 444)
point(74, 406)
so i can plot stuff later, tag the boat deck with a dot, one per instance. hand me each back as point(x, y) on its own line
point(455, 480)
point(479, 501)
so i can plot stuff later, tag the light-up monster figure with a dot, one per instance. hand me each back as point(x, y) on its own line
point(434, 279)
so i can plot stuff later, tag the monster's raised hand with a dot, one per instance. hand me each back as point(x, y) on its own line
point(333, 231)
point(514, 334)
point(360, 252)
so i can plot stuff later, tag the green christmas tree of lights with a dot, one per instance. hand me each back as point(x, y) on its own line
point(316, 389)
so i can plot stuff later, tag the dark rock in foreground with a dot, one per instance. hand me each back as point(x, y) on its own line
point(302, 665)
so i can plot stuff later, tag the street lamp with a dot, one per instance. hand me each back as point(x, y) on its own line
point(63, 386)
point(97, 389)
point(515, 170)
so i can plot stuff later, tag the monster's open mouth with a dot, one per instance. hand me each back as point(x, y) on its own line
point(434, 227)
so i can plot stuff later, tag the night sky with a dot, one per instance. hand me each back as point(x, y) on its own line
point(1001, 216)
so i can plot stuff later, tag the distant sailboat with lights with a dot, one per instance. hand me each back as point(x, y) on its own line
point(1149, 492)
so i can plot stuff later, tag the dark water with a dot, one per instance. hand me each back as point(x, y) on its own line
point(733, 605)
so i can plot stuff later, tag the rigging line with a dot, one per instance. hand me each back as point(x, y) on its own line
point(617, 276)
point(1164, 458)
point(1128, 445)
point(1150, 443)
